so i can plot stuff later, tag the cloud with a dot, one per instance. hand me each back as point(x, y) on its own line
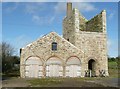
point(12, 7)
point(60, 7)
point(27, 7)
point(84, 6)
point(33, 8)
point(40, 20)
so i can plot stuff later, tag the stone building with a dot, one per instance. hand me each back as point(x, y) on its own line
point(81, 52)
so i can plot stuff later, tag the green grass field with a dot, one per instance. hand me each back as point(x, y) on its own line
point(45, 81)
point(113, 69)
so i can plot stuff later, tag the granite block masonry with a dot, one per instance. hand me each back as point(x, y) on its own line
point(81, 52)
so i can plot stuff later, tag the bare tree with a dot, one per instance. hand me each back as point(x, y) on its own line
point(7, 49)
point(7, 59)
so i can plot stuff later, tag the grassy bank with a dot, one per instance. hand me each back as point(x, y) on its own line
point(113, 68)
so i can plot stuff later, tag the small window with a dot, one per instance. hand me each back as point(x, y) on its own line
point(54, 46)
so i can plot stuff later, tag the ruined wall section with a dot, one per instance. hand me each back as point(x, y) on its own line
point(90, 37)
point(82, 24)
point(98, 23)
point(92, 40)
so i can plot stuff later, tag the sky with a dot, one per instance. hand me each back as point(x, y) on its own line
point(24, 22)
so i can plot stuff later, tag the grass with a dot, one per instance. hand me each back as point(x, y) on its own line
point(113, 69)
point(45, 81)
point(113, 65)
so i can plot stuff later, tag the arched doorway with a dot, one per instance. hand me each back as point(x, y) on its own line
point(33, 67)
point(73, 67)
point(54, 67)
point(91, 67)
point(91, 64)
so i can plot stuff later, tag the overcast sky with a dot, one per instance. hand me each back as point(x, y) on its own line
point(24, 22)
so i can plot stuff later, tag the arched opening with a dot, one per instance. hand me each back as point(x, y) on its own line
point(91, 64)
point(33, 67)
point(91, 67)
point(73, 67)
point(54, 67)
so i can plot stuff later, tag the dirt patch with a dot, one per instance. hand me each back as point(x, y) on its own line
point(111, 82)
point(15, 82)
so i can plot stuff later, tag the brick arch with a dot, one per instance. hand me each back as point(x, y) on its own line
point(33, 56)
point(94, 58)
point(33, 67)
point(58, 58)
point(73, 57)
point(54, 66)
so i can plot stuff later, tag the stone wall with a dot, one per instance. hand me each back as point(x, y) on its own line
point(89, 36)
point(82, 23)
point(71, 26)
point(95, 24)
point(81, 38)
point(94, 46)
point(42, 49)
point(68, 23)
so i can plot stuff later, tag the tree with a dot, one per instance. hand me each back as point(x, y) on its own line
point(7, 49)
point(8, 60)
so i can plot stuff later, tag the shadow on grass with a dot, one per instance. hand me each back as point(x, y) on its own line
point(6, 76)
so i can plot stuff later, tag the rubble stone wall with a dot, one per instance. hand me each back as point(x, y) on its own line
point(42, 49)
point(91, 38)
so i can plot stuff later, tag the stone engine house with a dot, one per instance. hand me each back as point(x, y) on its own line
point(81, 52)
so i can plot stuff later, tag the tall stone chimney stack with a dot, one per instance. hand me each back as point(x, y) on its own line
point(69, 9)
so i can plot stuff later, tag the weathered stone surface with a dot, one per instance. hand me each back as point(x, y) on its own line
point(91, 38)
point(42, 49)
point(82, 39)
